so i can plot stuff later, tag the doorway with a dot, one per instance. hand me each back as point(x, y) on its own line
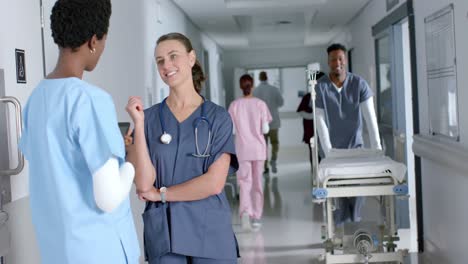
point(395, 110)
point(206, 92)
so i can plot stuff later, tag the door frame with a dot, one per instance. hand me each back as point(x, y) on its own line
point(206, 69)
point(406, 10)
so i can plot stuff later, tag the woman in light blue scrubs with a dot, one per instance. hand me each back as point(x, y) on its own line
point(183, 151)
point(70, 134)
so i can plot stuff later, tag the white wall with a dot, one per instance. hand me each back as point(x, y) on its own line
point(445, 214)
point(293, 80)
point(215, 76)
point(444, 186)
point(10, 25)
point(20, 28)
point(359, 38)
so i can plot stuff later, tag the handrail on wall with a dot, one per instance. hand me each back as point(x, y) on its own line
point(441, 150)
point(17, 105)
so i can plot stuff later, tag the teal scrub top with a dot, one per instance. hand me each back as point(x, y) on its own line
point(70, 131)
point(200, 228)
point(342, 112)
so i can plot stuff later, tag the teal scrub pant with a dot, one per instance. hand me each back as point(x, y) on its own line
point(181, 259)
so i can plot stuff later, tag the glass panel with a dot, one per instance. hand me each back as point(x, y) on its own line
point(206, 91)
point(385, 82)
point(385, 107)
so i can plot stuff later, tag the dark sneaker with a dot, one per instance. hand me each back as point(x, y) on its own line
point(273, 166)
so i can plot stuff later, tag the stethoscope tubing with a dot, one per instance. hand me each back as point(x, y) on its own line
point(166, 138)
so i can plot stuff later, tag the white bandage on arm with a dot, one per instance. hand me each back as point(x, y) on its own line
point(265, 128)
point(322, 130)
point(305, 115)
point(111, 185)
point(368, 112)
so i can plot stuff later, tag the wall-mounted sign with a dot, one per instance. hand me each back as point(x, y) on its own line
point(20, 66)
point(391, 4)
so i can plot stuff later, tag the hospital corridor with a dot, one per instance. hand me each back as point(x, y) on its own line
point(233, 131)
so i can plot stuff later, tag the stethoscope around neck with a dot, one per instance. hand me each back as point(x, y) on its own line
point(166, 138)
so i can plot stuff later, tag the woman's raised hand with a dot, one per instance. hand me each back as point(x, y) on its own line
point(135, 109)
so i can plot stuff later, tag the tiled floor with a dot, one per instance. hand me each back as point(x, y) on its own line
point(291, 222)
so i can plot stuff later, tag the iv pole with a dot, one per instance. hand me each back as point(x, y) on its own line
point(312, 77)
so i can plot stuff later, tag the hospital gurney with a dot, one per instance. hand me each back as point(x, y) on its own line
point(367, 173)
point(353, 173)
point(356, 173)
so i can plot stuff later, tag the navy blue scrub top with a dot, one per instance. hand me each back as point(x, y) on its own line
point(197, 228)
point(342, 112)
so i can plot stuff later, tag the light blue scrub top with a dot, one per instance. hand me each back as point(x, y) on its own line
point(70, 131)
point(342, 112)
point(200, 228)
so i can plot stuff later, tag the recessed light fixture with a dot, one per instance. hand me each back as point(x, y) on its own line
point(283, 22)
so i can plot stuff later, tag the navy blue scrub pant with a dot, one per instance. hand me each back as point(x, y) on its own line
point(181, 259)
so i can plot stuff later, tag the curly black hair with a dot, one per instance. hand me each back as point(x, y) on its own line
point(336, 46)
point(73, 22)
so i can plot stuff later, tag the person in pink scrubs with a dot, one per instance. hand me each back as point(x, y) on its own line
point(250, 117)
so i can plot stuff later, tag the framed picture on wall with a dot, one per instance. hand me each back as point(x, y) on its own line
point(442, 73)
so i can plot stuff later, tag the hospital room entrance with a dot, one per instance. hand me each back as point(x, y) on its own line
point(395, 110)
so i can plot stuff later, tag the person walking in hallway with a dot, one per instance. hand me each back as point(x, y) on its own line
point(274, 100)
point(250, 117)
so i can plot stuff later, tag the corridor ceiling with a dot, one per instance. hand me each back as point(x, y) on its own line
point(247, 24)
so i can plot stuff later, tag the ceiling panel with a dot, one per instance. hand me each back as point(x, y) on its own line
point(237, 24)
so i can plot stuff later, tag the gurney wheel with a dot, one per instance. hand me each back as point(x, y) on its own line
point(329, 247)
point(390, 249)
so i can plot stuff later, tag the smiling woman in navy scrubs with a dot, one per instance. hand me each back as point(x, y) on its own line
point(183, 151)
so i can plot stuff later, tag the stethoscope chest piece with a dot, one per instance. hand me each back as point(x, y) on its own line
point(165, 138)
